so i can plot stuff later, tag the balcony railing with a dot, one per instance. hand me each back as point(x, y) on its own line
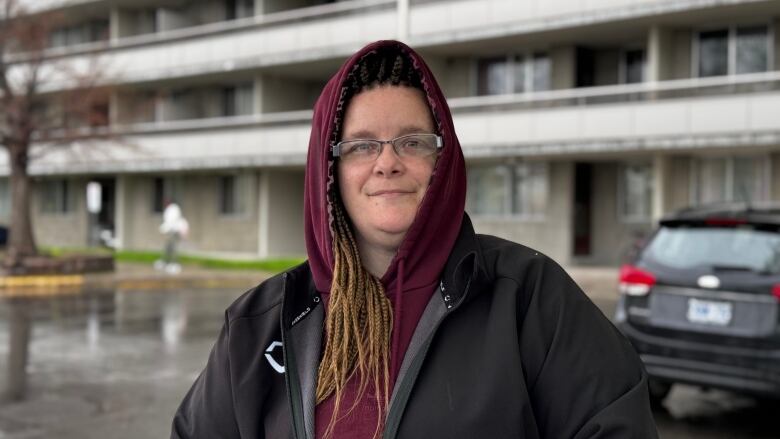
point(644, 91)
point(253, 23)
point(696, 113)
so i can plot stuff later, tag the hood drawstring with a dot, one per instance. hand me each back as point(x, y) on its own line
point(395, 353)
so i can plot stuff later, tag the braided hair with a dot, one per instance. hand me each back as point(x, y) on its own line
point(359, 321)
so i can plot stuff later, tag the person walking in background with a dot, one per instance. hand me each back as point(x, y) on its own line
point(404, 322)
point(175, 227)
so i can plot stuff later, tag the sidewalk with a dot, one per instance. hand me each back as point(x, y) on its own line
point(130, 276)
point(597, 282)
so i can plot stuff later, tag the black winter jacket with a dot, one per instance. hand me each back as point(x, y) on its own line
point(510, 347)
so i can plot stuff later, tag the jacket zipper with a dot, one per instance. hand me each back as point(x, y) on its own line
point(405, 388)
point(291, 377)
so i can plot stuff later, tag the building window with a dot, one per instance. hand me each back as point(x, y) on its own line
point(635, 192)
point(5, 199)
point(164, 190)
point(237, 100)
point(513, 74)
point(633, 66)
point(508, 190)
point(742, 178)
point(542, 71)
point(735, 50)
point(752, 48)
point(234, 193)
point(96, 30)
point(56, 196)
point(239, 9)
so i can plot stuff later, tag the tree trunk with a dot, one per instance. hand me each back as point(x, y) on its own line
point(21, 242)
point(19, 327)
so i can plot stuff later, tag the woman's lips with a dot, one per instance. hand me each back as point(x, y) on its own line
point(390, 193)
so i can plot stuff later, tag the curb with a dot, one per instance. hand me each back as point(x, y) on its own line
point(42, 281)
point(58, 285)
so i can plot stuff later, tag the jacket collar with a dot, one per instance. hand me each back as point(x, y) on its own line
point(465, 267)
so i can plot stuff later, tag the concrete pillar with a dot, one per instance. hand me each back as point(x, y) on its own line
point(114, 24)
point(403, 20)
point(263, 214)
point(121, 200)
point(659, 44)
point(114, 108)
point(258, 95)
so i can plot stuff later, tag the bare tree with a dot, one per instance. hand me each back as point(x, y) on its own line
point(32, 114)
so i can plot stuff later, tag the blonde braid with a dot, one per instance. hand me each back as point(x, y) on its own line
point(358, 329)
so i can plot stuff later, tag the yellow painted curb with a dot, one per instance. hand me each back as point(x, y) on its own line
point(41, 281)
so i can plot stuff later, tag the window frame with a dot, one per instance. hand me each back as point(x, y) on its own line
point(528, 60)
point(622, 192)
point(510, 194)
point(694, 198)
point(243, 207)
point(171, 189)
point(732, 47)
point(64, 198)
point(623, 64)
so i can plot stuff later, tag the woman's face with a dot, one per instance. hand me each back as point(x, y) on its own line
point(382, 196)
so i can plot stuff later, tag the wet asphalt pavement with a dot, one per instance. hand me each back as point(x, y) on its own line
point(116, 364)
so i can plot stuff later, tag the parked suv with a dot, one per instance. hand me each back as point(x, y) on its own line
point(700, 300)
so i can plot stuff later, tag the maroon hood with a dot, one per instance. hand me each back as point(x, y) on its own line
point(427, 244)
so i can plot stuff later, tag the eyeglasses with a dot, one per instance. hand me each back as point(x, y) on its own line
point(411, 146)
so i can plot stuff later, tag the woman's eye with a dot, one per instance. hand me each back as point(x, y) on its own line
point(361, 148)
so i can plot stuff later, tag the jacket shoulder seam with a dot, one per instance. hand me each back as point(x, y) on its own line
point(255, 314)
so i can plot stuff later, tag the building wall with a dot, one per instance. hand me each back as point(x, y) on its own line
point(678, 187)
point(274, 94)
point(198, 199)
point(61, 230)
point(612, 237)
point(681, 54)
point(141, 225)
point(284, 212)
point(553, 234)
point(212, 231)
point(774, 188)
point(564, 67)
point(455, 74)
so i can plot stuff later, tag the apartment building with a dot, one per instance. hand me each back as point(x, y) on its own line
point(582, 121)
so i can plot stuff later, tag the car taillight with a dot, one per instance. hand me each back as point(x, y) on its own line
point(635, 282)
point(776, 291)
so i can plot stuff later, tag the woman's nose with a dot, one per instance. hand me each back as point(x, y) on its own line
point(388, 161)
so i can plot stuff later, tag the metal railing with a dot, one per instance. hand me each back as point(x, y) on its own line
point(298, 15)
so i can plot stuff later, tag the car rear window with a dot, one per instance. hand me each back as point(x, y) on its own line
point(743, 247)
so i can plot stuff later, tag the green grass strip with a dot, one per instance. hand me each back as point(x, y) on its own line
point(148, 257)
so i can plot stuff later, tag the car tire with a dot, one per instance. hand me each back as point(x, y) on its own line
point(658, 391)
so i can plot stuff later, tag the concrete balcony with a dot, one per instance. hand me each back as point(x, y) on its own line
point(687, 115)
point(333, 31)
point(310, 34)
point(690, 114)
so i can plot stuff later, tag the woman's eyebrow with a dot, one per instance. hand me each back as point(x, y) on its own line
point(366, 134)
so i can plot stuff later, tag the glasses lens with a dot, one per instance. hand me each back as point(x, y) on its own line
point(360, 149)
point(416, 145)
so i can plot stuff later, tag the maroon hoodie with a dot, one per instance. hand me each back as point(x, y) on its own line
point(414, 273)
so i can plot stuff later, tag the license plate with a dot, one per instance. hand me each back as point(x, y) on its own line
point(709, 312)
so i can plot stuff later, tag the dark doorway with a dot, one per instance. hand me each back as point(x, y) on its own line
point(102, 223)
point(583, 203)
point(586, 67)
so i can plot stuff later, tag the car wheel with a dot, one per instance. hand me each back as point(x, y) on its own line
point(658, 391)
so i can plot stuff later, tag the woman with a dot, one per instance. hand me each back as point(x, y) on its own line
point(403, 322)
